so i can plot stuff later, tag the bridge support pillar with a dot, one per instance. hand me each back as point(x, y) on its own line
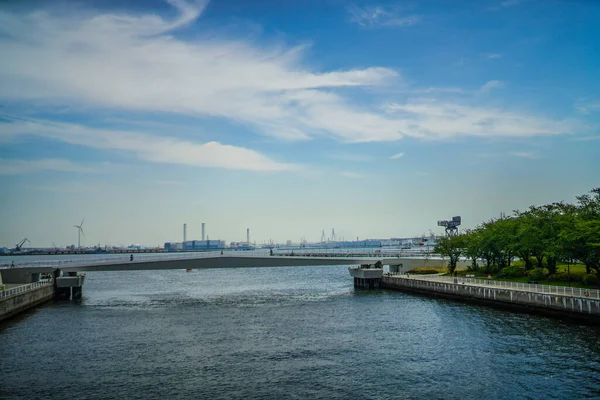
point(76, 292)
point(367, 283)
point(70, 286)
point(366, 277)
point(62, 293)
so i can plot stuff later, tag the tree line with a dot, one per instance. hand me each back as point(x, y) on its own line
point(541, 237)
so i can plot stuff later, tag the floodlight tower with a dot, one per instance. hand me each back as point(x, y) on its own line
point(451, 226)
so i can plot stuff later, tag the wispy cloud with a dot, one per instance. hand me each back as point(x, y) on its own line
point(431, 119)
point(507, 3)
point(396, 156)
point(148, 147)
point(588, 138)
point(352, 157)
point(131, 62)
point(492, 55)
point(20, 167)
point(489, 85)
point(588, 108)
point(352, 175)
point(511, 3)
point(379, 17)
point(66, 187)
point(524, 154)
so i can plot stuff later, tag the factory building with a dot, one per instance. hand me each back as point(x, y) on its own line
point(195, 245)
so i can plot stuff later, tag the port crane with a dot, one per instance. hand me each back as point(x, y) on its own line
point(19, 245)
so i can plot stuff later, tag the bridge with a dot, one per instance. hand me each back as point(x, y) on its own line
point(68, 275)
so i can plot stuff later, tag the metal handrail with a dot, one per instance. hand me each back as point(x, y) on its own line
point(23, 288)
point(526, 287)
point(139, 258)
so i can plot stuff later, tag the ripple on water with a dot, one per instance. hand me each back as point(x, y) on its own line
point(286, 333)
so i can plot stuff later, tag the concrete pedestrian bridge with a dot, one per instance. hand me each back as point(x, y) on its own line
point(68, 272)
point(218, 259)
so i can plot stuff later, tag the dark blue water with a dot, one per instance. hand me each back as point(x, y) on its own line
point(286, 333)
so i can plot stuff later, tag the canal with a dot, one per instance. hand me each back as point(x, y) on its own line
point(286, 333)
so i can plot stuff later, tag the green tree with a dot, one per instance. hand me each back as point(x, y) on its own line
point(579, 237)
point(451, 247)
point(473, 247)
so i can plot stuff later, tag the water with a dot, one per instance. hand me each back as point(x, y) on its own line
point(285, 333)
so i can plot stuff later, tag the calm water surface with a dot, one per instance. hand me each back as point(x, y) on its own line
point(286, 333)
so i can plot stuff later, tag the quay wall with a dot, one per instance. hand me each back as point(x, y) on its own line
point(554, 304)
point(14, 304)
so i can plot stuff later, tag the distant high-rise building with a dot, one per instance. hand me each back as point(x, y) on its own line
point(185, 232)
point(203, 231)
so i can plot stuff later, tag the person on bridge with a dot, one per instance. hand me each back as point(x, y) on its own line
point(131, 257)
point(271, 252)
point(12, 264)
point(489, 278)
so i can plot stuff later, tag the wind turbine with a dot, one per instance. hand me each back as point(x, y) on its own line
point(79, 232)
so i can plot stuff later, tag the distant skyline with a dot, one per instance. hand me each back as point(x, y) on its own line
point(374, 118)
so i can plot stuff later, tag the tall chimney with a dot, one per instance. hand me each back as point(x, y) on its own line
point(203, 231)
point(185, 232)
point(248, 235)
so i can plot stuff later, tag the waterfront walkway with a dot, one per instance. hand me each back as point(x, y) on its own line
point(517, 286)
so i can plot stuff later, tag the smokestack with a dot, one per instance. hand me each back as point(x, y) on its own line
point(185, 232)
point(248, 235)
point(203, 231)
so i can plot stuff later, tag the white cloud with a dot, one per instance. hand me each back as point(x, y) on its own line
point(148, 147)
point(351, 157)
point(492, 55)
point(524, 154)
point(506, 3)
point(19, 167)
point(130, 62)
point(379, 17)
point(447, 120)
point(489, 85)
point(510, 3)
point(396, 156)
point(588, 108)
point(352, 175)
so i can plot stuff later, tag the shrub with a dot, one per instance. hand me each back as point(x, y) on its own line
point(536, 274)
point(426, 270)
point(513, 270)
point(560, 277)
point(590, 279)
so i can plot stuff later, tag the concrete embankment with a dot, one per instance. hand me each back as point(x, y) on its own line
point(21, 298)
point(547, 303)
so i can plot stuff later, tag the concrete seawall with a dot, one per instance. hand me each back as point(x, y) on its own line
point(555, 304)
point(14, 304)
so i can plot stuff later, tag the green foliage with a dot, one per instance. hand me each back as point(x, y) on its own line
point(590, 279)
point(540, 237)
point(512, 271)
point(561, 277)
point(451, 247)
point(424, 271)
point(536, 274)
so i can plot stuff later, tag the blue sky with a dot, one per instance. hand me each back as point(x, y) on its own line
point(373, 118)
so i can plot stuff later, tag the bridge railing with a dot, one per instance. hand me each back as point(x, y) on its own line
point(527, 287)
point(23, 288)
point(138, 258)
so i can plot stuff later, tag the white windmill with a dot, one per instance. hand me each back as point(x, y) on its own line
point(79, 232)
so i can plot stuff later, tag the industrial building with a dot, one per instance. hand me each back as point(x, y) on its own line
point(195, 245)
